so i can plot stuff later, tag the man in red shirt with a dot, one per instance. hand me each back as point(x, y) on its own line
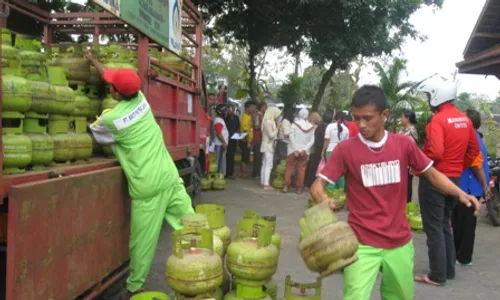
point(452, 144)
point(353, 128)
point(375, 164)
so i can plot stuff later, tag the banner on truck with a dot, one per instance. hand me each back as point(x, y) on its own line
point(175, 35)
point(113, 6)
point(160, 20)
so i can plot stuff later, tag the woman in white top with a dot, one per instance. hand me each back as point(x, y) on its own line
point(299, 148)
point(269, 127)
point(284, 133)
point(335, 133)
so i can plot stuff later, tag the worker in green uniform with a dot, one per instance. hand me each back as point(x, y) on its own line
point(154, 184)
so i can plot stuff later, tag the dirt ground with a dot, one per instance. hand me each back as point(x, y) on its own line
point(477, 282)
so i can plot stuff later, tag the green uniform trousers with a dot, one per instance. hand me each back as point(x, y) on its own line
point(396, 266)
point(337, 185)
point(147, 219)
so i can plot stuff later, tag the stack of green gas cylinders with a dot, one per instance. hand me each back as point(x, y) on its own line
point(44, 107)
point(213, 180)
point(51, 94)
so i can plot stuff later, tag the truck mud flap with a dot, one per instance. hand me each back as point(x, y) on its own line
point(66, 235)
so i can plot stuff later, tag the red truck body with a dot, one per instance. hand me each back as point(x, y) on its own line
point(67, 228)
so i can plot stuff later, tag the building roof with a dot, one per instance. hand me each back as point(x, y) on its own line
point(482, 52)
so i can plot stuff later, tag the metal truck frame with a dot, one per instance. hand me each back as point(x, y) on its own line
point(67, 228)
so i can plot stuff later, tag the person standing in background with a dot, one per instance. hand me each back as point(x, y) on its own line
point(408, 121)
point(301, 142)
point(335, 133)
point(351, 125)
point(257, 138)
point(474, 182)
point(317, 149)
point(221, 138)
point(451, 142)
point(246, 126)
point(270, 127)
point(284, 134)
point(233, 126)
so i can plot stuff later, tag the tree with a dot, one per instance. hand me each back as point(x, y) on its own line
point(291, 92)
point(253, 24)
point(399, 93)
point(336, 32)
point(464, 102)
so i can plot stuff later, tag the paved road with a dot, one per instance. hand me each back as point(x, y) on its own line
point(478, 282)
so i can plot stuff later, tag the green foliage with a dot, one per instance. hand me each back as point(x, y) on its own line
point(291, 92)
point(362, 27)
point(422, 120)
point(399, 93)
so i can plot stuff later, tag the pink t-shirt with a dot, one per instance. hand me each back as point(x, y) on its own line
point(376, 184)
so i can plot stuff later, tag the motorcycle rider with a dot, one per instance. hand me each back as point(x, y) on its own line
point(452, 144)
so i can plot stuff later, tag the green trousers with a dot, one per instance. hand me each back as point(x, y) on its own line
point(145, 226)
point(337, 185)
point(396, 266)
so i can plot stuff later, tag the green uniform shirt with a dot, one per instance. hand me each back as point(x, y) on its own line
point(137, 141)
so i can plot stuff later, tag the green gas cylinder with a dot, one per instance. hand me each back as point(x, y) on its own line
point(16, 93)
point(175, 63)
point(278, 183)
point(17, 147)
point(108, 102)
point(95, 102)
point(216, 215)
point(302, 291)
point(201, 221)
point(328, 245)
point(264, 220)
point(28, 43)
point(271, 288)
point(63, 140)
point(253, 260)
point(10, 60)
point(150, 296)
point(35, 127)
point(194, 269)
point(82, 105)
point(43, 97)
point(6, 37)
point(218, 181)
point(95, 77)
point(206, 183)
point(64, 96)
point(76, 66)
point(82, 146)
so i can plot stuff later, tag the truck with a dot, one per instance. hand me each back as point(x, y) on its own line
point(64, 231)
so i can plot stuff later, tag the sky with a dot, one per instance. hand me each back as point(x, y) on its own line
point(448, 31)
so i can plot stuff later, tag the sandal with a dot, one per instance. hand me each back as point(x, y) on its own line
point(425, 279)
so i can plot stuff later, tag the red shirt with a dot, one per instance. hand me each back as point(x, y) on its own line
point(257, 133)
point(451, 141)
point(353, 129)
point(376, 188)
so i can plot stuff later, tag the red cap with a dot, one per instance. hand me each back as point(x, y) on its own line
point(126, 81)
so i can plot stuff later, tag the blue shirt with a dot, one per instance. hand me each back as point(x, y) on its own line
point(468, 181)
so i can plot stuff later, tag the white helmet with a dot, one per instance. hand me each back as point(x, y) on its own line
point(439, 90)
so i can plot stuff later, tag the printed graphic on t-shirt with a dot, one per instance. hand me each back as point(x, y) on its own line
point(460, 122)
point(131, 117)
point(382, 173)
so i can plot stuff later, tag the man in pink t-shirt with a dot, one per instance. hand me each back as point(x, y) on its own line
point(375, 165)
